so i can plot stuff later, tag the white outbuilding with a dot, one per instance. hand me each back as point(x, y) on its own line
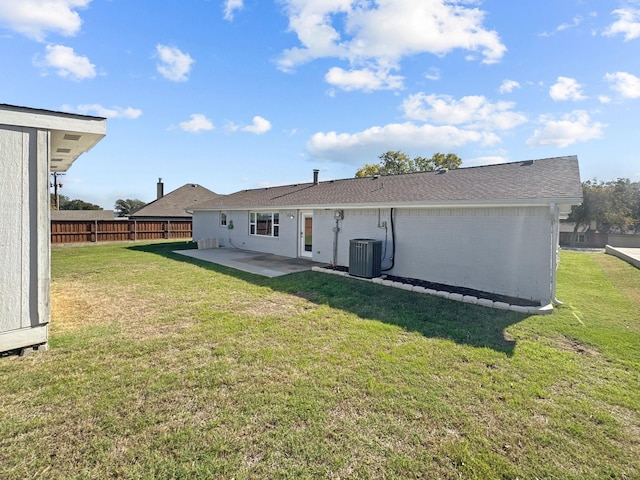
point(33, 144)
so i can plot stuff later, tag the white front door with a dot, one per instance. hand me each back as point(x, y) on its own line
point(306, 234)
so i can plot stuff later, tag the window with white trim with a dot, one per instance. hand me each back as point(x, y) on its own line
point(265, 224)
point(223, 219)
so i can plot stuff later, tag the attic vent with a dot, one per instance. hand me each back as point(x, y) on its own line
point(444, 170)
point(194, 185)
point(70, 136)
point(527, 163)
point(63, 150)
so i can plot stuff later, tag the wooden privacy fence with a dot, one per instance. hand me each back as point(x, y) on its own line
point(74, 231)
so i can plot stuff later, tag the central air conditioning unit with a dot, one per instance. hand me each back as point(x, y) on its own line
point(365, 257)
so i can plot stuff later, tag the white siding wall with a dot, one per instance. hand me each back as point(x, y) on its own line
point(24, 237)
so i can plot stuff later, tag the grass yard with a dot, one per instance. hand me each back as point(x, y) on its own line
point(161, 366)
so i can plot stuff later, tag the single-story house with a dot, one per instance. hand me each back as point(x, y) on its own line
point(490, 228)
point(33, 143)
point(173, 205)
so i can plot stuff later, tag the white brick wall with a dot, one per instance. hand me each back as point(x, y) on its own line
point(499, 250)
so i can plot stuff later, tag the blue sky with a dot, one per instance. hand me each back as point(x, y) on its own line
point(241, 94)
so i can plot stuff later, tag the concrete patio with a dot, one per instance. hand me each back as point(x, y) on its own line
point(257, 263)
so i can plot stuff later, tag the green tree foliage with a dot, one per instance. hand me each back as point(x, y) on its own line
point(614, 206)
point(67, 204)
point(395, 162)
point(128, 206)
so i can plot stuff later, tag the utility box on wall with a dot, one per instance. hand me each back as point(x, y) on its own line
point(365, 257)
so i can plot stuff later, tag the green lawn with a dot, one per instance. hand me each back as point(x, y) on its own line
point(162, 366)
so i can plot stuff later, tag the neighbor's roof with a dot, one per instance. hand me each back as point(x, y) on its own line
point(528, 182)
point(71, 134)
point(174, 203)
point(82, 215)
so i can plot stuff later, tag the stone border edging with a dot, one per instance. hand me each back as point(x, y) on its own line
point(485, 302)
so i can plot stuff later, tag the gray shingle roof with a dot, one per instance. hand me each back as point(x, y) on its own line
point(532, 181)
point(82, 215)
point(174, 203)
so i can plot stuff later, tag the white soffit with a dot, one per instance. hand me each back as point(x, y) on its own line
point(71, 134)
point(67, 146)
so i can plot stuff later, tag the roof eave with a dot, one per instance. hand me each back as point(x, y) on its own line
point(492, 203)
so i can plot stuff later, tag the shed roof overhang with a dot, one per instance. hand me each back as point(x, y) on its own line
point(71, 135)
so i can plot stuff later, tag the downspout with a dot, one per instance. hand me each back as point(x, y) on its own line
point(555, 237)
point(336, 230)
point(393, 243)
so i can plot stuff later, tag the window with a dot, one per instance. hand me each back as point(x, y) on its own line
point(266, 224)
point(580, 238)
point(223, 219)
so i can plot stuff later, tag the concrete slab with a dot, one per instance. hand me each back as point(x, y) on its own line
point(257, 263)
point(631, 255)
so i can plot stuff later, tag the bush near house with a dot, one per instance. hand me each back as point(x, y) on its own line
point(162, 366)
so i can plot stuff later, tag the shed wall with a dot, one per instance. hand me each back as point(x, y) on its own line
point(24, 237)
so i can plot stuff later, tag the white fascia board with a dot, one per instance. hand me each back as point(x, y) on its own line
point(441, 204)
point(50, 120)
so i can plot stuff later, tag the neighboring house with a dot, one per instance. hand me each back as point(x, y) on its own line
point(491, 228)
point(33, 143)
point(173, 205)
point(582, 237)
point(586, 236)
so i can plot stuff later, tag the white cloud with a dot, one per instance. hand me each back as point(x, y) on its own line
point(508, 86)
point(353, 148)
point(573, 127)
point(364, 79)
point(577, 20)
point(198, 123)
point(488, 160)
point(259, 126)
point(628, 23)
point(174, 65)
point(433, 74)
point(66, 63)
point(566, 88)
point(626, 84)
point(100, 111)
point(230, 6)
point(472, 111)
point(35, 18)
point(364, 33)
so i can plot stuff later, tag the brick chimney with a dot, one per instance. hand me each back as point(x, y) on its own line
point(160, 189)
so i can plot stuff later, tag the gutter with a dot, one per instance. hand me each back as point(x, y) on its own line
point(503, 203)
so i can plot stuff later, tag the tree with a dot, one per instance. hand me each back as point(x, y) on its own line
point(66, 203)
point(126, 207)
point(395, 162)
point(613, 206)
